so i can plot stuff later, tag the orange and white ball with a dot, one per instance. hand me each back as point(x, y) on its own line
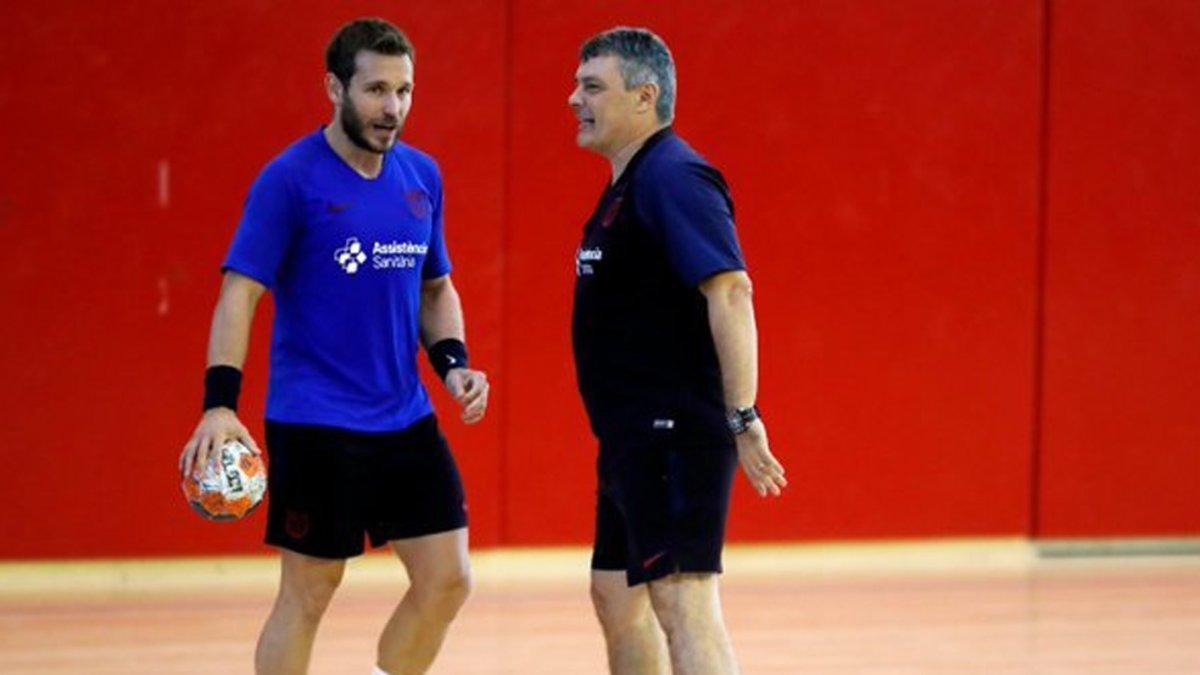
point(230, 486)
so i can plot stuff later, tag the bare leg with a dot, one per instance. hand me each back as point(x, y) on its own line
point(636, 645)
point(689, 608)
point(305, 588)
point(439, 577)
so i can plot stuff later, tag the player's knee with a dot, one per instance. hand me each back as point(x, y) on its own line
point(615, 607)
point(441, 595)
point(606, 606)
point(669, 610)
point(311, 593)
point(683, 605)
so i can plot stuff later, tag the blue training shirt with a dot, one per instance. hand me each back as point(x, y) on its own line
point(345, 257)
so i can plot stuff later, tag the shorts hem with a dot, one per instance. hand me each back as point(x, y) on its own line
point(312, 551)
point(669, 567)
point(385, 539)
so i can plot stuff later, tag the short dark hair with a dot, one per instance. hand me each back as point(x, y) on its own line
point(372, 34)
point(643, 56)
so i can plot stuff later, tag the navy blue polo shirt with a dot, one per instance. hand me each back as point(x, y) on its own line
point(644, 353)
point(344, 257)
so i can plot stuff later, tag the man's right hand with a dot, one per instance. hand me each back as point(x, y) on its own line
point(216, 427)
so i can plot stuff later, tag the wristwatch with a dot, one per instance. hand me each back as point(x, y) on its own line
point(739, 419)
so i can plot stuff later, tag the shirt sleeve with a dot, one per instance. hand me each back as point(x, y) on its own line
point(437, 258)
point(266, 228)
point(688, 208)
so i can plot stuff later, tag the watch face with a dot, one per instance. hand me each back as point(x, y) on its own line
point(739, 419)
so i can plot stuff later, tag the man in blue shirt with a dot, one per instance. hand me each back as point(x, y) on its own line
point(666, 358)
point(345, 228)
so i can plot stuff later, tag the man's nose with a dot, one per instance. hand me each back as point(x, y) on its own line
point(391, 105)
point(573, 99)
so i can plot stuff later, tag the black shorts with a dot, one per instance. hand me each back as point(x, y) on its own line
point(328, 488)
point(661, 507)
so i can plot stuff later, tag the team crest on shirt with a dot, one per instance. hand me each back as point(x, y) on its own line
point(418, 203)
point(610, 214)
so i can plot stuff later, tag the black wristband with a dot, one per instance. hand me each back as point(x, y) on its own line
point(222, 384)
point(447, 354)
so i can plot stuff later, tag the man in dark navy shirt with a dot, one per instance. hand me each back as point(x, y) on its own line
point(344, 227)
point(666, 358)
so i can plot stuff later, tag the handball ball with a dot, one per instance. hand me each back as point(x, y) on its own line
point(231, 485)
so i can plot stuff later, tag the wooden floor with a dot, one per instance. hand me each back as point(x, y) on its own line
point(956, 607)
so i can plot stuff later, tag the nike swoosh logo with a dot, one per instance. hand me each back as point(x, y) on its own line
point(648, 562)
point(451, 359)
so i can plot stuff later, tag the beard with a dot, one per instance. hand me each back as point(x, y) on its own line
point(354, 127)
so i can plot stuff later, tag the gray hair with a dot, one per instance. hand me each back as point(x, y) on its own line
point(644, 58)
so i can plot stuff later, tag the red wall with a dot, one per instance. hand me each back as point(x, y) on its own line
point(888, 164)
point(1121, 442)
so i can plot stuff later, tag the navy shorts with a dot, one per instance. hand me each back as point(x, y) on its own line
point(328, 488)
point(661, 507)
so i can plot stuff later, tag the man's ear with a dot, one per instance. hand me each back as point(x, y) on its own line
point(647, 96)
point(334, 89)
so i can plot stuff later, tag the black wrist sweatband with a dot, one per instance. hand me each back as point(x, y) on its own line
point(447, 354)
point(222, 384)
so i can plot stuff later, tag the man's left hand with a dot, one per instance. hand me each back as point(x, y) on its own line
point(470, 389)
point(763, 471)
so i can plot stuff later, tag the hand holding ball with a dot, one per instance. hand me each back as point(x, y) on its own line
point(230, 486)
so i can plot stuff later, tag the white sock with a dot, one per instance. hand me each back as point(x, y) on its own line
point(379, 671)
